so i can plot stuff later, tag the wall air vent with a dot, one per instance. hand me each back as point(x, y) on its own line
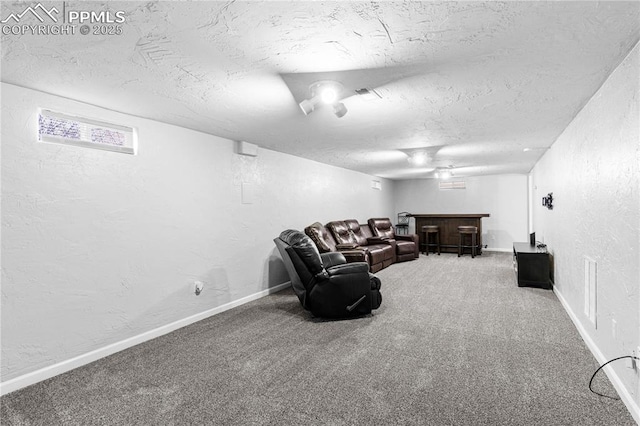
point(459, 184)
point(55, 127)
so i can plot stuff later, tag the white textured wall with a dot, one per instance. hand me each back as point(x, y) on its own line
point(100, 246)
point(504, 197)
point(593, 171)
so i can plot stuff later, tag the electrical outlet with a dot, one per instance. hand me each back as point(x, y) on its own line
point(199, 285)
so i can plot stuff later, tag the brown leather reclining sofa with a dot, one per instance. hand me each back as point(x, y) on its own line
point(381, 253)
point(325, 242)
point(379, 247)
point(407, 246)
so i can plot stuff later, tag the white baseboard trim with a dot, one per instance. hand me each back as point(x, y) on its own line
point(84, 359)
point(626, 397)
point(499, 250)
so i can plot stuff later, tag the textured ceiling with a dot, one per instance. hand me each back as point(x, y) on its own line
point(472, 83)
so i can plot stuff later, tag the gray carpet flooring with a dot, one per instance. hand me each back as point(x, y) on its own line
point(455, 342)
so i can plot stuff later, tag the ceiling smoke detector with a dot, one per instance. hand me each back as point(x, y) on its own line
point(325, 93)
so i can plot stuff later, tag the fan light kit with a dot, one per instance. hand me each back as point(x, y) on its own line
point(418, 158)
point(324, 92)
point(444, 174)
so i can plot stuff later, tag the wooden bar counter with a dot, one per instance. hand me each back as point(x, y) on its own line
point(448, 224)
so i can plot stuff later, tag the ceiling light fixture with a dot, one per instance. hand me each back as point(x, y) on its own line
point(444, 174)
point(324, 93)
point(418, 158)
point(328, 95)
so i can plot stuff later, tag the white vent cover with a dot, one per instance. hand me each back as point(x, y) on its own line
point(459, 184)
point(55, 127)
point(246, 148)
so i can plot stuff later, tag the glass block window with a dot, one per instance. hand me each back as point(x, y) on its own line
point(460, 184)
point(106, 136)
point(55, 127)
point(59, 127)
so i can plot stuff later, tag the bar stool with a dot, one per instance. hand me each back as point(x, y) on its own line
point(427, 231)
point(462, 232)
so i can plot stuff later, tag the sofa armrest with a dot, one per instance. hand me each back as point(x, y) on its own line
point(349, 268)
point(346, 246)
point(378, 240)
point(411, 237)
point(355, 255)
point(333, 258)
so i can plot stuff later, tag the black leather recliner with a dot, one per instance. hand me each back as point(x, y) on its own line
point(326, 284)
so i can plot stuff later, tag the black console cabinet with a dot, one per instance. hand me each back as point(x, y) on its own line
point(531, 265)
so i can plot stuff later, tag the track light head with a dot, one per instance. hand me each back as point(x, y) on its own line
point(339, 109)
point(307, 106)
point(328, 95)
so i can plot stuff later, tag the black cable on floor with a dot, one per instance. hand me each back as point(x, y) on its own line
point(601, 367)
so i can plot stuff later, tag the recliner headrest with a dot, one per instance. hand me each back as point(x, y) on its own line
point(321, 237)
point(305, 249)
